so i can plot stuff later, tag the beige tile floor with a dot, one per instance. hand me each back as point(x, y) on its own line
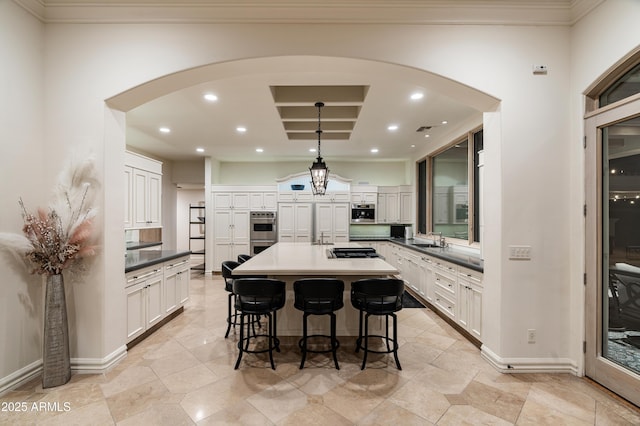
point(183, 375)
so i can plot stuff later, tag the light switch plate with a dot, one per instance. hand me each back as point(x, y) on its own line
point(520, 252)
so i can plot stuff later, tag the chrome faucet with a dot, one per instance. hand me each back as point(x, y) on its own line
point(441, 241)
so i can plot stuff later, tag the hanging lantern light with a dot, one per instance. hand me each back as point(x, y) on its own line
point(319, 171)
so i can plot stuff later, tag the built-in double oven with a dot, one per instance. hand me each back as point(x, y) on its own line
point(263, 232)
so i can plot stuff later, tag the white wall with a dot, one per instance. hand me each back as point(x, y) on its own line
point(528, 181)
point(22, 171)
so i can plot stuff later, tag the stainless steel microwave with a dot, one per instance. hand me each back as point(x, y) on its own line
point(363, 213)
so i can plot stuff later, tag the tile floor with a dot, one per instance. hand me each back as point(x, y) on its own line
point(183, 375)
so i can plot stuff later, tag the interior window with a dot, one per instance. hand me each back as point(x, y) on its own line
point(450, 194)
point(448, 190)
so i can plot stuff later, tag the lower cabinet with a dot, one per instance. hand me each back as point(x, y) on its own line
point(176, 284)
point(154, 292)
point(453, 290)
point(469, 314)
point(144, 301)
point(445, 287)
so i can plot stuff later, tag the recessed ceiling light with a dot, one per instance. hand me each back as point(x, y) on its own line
point(312, 150)
point(417, 95)
point(413, 146)
point(426, 136)
point(259, 150)
point(200, 149)
point(393, 127)
point(241, 129)
point(210, 97)
point(164, 130)
point(444, 122)
point(374, 150)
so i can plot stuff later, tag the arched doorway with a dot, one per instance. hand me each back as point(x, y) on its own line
point(612, 129)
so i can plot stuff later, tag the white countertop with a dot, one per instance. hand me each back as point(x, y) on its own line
point(304, 259)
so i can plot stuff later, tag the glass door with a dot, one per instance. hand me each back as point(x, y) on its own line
point(613, 249)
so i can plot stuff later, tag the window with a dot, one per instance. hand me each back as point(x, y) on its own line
point(627, 85)
point(448, 194)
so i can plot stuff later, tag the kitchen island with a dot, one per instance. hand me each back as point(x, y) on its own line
point(292, 261)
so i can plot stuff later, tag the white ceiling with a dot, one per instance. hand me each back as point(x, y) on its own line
point(247, 100)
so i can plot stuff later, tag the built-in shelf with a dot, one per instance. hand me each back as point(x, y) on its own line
point(196, 234)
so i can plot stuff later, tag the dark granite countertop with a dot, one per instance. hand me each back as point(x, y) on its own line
point(139, 259)
point(459, 257)
point(136, 245)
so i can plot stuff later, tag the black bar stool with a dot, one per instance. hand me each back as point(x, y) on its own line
point(232, 319)
point(243, 258)
point(318, 296)
point(258, 296)
point(377, 296)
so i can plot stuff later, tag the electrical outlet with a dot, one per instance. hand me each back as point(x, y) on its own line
point(520, 252)
point(531, 335)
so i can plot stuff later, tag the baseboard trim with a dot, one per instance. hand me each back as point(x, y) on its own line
point(528, 365)
point(20, 377)
point(98, 366)
point(78, 366)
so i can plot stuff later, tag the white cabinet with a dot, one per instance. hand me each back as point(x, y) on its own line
point(364, 197)
point(469, 307)
point(144, 300)
point(333, 197)
point(143, 183)
point(406, 207)
point(426, 288)
point(231, 200)
point(176, 284)
point(332, 222)
point(388, 210)
point(154, 292)
point(445, 287)
point(263, 201)
point(295, 197)
point(128, 199)
point(231, 235)
point(411, 270)
point(453, 290)
point(295, 222)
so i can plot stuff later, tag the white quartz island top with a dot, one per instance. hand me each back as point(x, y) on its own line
point(305, 259)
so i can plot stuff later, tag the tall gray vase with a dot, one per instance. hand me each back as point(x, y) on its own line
point(56, 369)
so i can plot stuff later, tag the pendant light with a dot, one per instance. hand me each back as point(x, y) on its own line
point(319, 171)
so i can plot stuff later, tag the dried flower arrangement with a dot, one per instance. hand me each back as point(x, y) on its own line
point(55, 238)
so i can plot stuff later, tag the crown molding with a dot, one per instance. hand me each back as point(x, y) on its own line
point(410, 12)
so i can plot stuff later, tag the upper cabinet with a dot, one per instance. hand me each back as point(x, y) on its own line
point(143, 186)
point(395, 204)
point(364, 194)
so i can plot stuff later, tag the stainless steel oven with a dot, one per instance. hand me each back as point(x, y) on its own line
point(363, 213)
point(263, 233)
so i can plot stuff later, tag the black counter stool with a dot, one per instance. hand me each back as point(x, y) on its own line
point(318, 296)
point(254, 297)
point(243, 258)
point(377, 296)
point(232, 319)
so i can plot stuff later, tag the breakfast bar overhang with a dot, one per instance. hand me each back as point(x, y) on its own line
point(292, 261)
